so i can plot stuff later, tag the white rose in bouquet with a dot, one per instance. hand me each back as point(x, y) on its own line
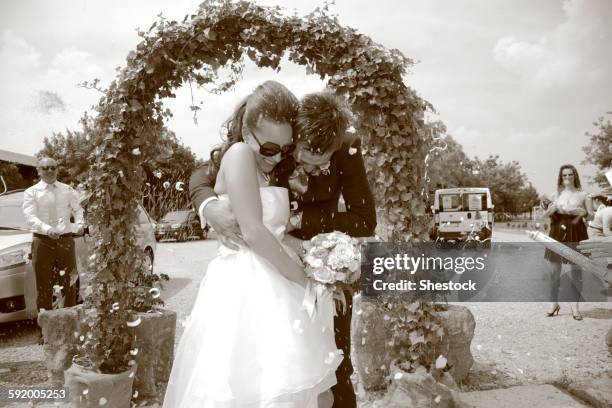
point(313, 261)
point(323, 274)
point(343, 253)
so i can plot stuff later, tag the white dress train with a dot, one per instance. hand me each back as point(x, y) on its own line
point(248, 343)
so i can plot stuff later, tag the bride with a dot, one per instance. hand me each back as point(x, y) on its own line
point(248, 342)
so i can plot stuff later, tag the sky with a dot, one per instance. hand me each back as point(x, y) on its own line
point(520, 79)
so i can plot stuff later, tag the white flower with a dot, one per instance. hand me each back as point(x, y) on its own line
point(327, 244)
point(334, 262)
point(318, 252)
point(323, 274)
point(313, 261)
point(344, 253)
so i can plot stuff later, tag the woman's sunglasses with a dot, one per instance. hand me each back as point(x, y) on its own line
point(270, 149)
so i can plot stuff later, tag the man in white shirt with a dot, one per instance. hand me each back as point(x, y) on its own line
point(48, 207)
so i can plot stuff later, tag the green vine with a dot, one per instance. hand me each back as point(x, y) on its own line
point(390, 124)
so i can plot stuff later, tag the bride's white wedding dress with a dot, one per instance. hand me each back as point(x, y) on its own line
point(248, 343)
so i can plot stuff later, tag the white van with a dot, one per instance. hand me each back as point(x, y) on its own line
point(462, 214)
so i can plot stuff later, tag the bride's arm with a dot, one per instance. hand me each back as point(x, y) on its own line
point(239, 172)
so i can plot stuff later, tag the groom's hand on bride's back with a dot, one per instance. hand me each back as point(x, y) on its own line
point(219, 215)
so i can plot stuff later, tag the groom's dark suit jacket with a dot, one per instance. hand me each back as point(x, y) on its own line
point(319, 204)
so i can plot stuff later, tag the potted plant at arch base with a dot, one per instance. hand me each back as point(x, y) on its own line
point(118, 299)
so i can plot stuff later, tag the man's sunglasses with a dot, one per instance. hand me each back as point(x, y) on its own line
point(48, 168)
point(270, 149)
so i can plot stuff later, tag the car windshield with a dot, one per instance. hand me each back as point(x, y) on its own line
point(11, 214)
point(176, 216)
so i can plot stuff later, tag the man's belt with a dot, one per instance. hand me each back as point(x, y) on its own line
point(43, 236)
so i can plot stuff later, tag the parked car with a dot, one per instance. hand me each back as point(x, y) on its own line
point(17, 279)
point(463, 213)
point(180, 225)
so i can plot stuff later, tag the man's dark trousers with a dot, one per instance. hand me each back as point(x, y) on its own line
point(49, 258)
point(344, 394)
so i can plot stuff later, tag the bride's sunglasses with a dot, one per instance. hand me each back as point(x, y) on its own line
point(270, 149)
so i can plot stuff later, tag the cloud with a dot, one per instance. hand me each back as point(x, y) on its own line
point(41, 92)
point(577, 49)
point(17, 54)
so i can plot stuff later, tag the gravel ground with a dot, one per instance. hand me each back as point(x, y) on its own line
point(516, 343)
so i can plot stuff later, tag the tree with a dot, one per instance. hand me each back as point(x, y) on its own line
point(167, 168)
point(449, 166)
point(71, 151)
point(168, 178)
point(599, 150)
point(12, 177)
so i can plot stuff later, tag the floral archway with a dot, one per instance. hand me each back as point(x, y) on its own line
point(390, 122)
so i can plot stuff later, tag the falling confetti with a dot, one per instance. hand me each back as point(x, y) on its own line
point(352, 151)
point(134, 351)
point(180, 186)
point(154, 292)
point(166, 184)
point(62, 272)
point(398, 376)
point(437, 399)
point(134, 323)
point(330, 357)
point(157, 173)
point(102, 401)
point(297, 325)
point(136, 152)
point(441, 362)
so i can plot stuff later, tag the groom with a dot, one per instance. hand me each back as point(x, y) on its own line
point(325, 165)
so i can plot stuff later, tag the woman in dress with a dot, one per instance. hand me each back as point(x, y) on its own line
point(248, 342)
point(567, 210)
point(601, 224)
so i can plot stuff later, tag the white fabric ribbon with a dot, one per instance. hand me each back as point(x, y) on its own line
point(318, 300)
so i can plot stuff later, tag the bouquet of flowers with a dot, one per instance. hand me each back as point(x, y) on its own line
point(333, 258)
point(333, 264)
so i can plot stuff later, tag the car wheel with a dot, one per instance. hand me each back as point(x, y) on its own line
point(148, 261)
